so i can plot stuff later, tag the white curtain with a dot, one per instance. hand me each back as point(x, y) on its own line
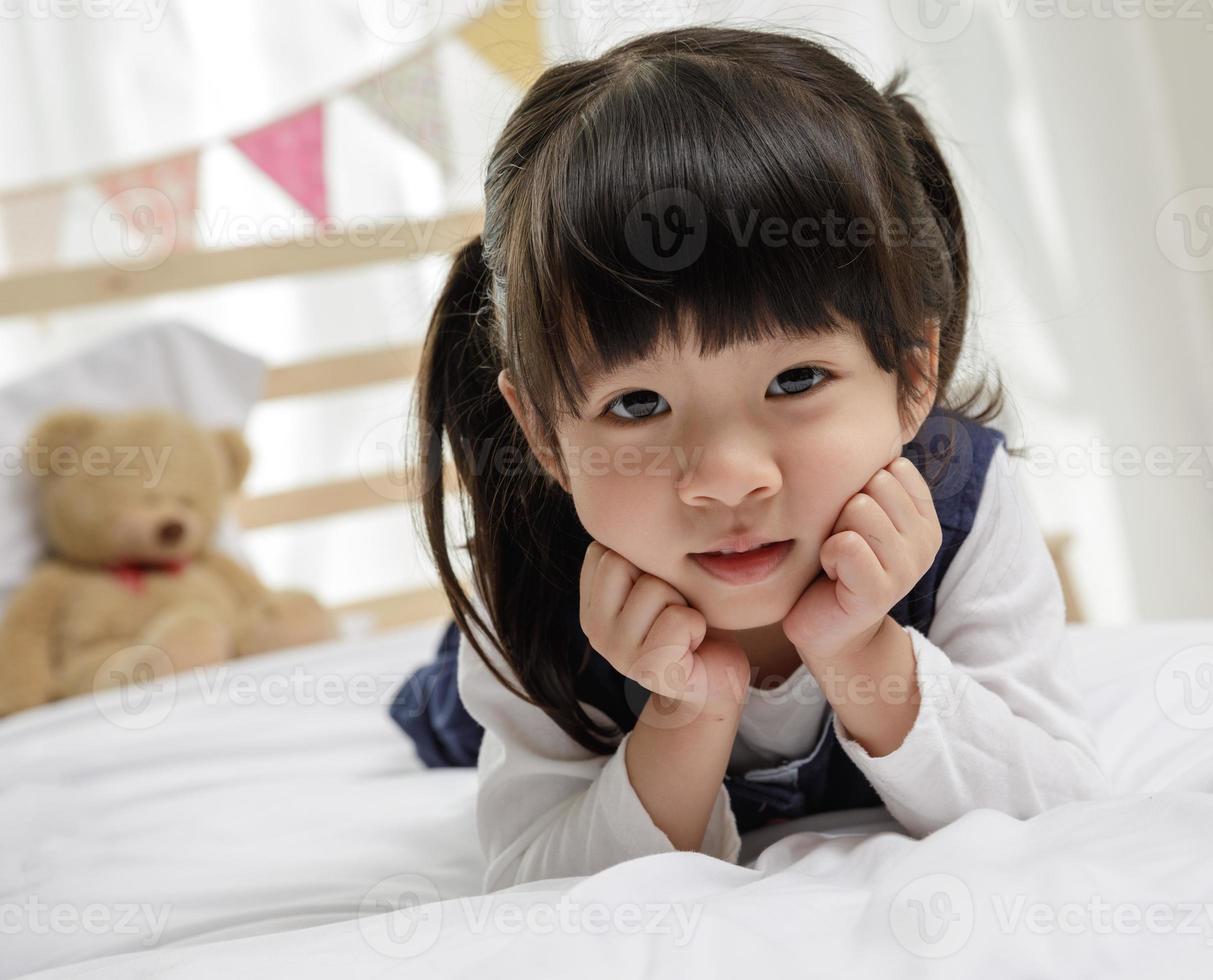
point(1073, 138)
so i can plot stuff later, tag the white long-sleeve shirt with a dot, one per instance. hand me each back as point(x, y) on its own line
point(1000, 723)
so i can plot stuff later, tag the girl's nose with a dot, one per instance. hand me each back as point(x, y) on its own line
point(728, 469)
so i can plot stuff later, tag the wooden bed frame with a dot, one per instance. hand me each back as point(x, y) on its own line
point(39, 293)
point(319, 500)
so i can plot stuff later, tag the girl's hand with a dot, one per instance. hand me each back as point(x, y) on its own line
point(644, 628)
point(885, 539)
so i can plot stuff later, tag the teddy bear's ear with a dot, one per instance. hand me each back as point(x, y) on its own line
point(64, 427)
point(235, 453)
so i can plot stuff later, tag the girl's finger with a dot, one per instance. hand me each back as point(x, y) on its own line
point(609, 589)
point(649, 596)
point(891, 494)
point(589, 566)
point(664, 662)
point(915, 485)
point(858, 573)
point(864, 515)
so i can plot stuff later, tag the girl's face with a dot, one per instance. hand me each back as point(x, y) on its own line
point(674, 454)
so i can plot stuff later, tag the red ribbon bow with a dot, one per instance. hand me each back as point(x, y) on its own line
point(131, 573)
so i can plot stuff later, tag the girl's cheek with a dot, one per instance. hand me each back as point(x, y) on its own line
point(621, 510)
point(601, 506)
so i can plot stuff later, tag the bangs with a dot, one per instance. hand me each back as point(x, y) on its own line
point(687, 196)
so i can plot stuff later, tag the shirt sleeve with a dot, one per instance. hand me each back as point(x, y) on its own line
point(546, 806)
point(1000, 724)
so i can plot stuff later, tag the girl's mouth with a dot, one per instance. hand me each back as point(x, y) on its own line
point(746, 568)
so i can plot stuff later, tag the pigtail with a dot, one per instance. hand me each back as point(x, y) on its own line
point(948, 287)
point(951, 292)
point(513, 512)
point(452, 377)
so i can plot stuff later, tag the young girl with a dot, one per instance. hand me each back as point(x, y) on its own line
point(719, 298)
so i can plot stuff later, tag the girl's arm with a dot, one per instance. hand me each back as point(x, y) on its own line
point(549, 808)
point(1000, 723)
point(676, 760)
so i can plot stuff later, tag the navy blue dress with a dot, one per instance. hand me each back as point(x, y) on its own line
point(823, 780)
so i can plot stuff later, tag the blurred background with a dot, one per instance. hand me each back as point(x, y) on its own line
point(261, 171)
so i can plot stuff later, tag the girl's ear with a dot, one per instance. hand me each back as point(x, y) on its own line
point(926, 380)
point(529, 427)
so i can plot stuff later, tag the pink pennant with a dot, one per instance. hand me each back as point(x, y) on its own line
point(408, 97)
point(291, 152)
point(161, 195)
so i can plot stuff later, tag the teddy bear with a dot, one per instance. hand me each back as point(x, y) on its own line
point(129, 504)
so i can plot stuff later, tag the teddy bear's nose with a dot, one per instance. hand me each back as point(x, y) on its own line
point(170, 532)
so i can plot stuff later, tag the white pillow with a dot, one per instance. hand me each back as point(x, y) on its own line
point(167, 365)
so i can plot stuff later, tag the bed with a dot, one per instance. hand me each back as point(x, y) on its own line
point(266, 817)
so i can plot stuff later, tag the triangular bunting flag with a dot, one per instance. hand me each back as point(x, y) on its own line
point(409, 98)
point(30, 224)
point(291, 152)
point(158, 198)
point(509, 40)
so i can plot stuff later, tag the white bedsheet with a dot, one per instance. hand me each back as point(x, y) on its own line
point(268, 817)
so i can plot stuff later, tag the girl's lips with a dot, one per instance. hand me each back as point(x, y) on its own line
point(747, 568)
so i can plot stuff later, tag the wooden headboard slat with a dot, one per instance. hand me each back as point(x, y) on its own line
point(343, 371)
point(331, 498)
point(58, 289)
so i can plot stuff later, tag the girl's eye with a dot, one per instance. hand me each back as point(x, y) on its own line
point(795, 381)
point(641, 401)
point(800, 379)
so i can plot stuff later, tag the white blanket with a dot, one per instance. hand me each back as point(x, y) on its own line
point(267, 818)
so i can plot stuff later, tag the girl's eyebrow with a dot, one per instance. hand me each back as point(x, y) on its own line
point(639, 365)
point(591, 378)
point(817, 346)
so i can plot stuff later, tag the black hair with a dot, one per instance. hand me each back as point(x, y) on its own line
point(616, 202)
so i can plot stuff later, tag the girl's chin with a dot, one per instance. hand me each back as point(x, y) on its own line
point(734, 616)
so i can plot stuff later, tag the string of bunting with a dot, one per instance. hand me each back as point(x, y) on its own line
point(290, 151)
